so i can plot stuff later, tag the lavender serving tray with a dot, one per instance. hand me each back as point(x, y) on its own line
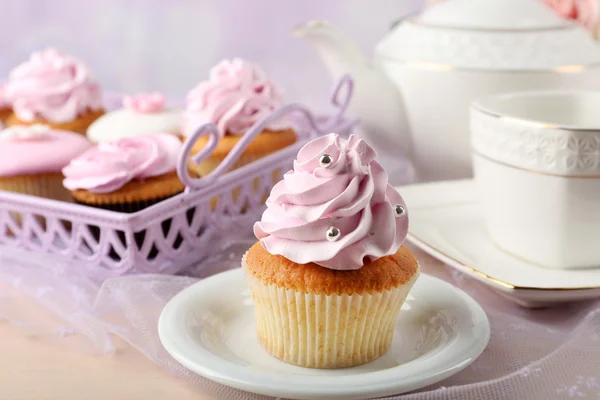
point(178, 232)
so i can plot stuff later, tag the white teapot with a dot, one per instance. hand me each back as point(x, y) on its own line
point(428, 69)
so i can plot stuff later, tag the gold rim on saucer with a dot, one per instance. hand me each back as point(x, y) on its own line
point(419, 242)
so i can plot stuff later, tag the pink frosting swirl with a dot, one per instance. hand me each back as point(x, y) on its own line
point(350, 194)
point(52, 86)
point(145, 103)
point(237, 95)
point(110, 165)
point(35, 149)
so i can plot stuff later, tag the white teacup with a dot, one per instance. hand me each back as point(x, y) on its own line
point(537, 164)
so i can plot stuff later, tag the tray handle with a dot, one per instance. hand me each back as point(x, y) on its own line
point(340, 98)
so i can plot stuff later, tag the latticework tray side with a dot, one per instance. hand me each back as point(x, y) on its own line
point(175, 233)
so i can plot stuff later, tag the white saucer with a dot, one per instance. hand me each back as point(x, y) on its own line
point(210, 329)
point(446, 222)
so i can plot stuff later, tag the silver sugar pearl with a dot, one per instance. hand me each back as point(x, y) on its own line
point(325, 160)
point(333, 234)
point(399, 210)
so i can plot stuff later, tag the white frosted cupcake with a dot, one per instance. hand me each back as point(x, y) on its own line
point(141, 114)
point(329, 273)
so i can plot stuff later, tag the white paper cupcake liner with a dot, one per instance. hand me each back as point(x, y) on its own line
point(325, 331)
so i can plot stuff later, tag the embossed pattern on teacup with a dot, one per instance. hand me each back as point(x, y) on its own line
point(535, 146)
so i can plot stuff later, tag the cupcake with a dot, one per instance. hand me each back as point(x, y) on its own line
point(126, 175)
point(5, 108)
point(141, 114)
point(31, 159)
point(236, 96)
point(53, 89)
point(329, 273)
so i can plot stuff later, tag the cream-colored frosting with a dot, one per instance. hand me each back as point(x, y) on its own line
point(127, 123)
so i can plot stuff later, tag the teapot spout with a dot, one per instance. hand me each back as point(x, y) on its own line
point(337, 52)
point(377, 102)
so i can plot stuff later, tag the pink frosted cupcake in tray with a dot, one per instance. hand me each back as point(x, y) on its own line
point(236, 96)
point(126, 175)
point(54, 89)
point(32, 157)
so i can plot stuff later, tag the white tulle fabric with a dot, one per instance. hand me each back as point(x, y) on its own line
point(533, 354)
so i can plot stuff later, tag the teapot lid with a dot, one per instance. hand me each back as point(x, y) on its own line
point(491, 35)
point(492, 14)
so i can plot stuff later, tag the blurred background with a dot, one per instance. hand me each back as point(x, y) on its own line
point(169, 45)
